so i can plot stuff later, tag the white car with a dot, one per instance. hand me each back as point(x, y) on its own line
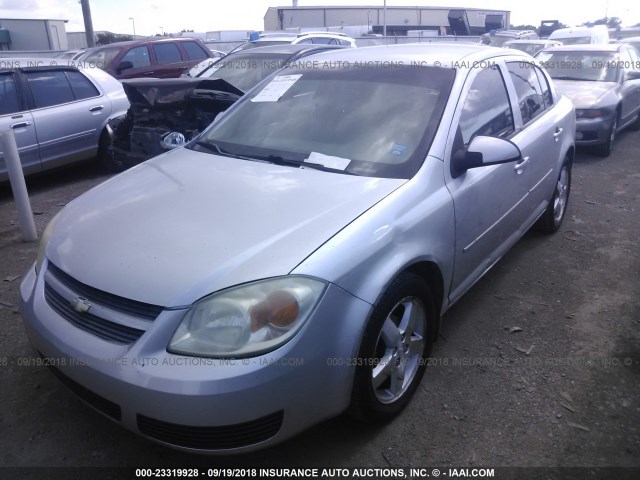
point(315, 38)
point(294, 260)
point(57, 111)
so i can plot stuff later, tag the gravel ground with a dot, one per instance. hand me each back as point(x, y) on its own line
point(537, 366)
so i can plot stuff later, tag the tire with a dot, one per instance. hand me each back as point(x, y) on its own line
point(394, 350)
point(553, 216)
point(605, 149)
point(635, 126)
point(106, 155)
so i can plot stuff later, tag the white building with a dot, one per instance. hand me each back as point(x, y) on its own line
point(399, 20)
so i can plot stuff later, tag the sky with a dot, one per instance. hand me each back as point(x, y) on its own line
point(158, 16)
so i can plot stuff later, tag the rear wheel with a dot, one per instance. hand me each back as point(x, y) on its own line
point(394, 350)
point(553, 216)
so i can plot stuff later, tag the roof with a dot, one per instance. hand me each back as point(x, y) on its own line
point(285, 48)
point(145, 40)
point(447, 55)
point(592, 47)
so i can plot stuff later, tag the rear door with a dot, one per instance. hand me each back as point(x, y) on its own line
point(541, 128)
point(15, 116)
point(68, 113)
point(169, 61)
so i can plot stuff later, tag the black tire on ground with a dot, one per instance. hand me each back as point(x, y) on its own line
point(106, 156)
point(552, 218)
point(394, 350)
point(605, 149)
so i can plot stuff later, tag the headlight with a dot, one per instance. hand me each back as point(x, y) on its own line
point(44, 240)
point(589, 113)
point(247, 320)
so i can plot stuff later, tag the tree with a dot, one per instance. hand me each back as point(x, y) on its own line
point(523, 27)
point(610, 22)
point(105, 38)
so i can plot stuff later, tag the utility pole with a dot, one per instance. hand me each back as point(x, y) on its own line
point(88, 24)
point(384, 27)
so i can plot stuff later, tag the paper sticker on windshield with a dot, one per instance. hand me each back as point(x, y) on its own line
point(337, 163)
point(276, 88)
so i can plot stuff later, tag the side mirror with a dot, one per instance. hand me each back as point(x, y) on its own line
point(632, 75)
point(484, 151)
point(125, 65)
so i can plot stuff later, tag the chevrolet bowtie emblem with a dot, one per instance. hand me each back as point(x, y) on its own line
point(80, 305)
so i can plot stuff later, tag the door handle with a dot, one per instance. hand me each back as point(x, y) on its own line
point(21, 124)
point(97, 108)
point(557, 133)
point(520, 165)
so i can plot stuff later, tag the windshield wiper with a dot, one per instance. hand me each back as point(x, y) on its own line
point(279, 160)
point(212, 147)
point(573, 78)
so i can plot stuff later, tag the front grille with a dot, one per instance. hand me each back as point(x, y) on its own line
point(114, 302)
point(111, 331)
point(212, 438)
point(96, 401)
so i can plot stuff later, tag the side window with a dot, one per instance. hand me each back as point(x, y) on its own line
point(49, 88)
point(194, 51)
point(528, 90)
point(81, 85)
point(138, 56)
point(486, 109)
point(306, 41)
point(546, 90)
point(167, 53)
point(9, 102)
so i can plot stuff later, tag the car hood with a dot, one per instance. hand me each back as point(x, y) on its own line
point(162, 94)
point(186, 224)
point(584, 94)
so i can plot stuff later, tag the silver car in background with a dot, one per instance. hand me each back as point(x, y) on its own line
point(294, 260)
point(58, 113)
point(603, 81)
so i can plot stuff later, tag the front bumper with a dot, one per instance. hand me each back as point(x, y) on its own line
point(593, 131)
point(198, 404)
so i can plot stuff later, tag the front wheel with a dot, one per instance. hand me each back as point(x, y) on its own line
point(553, 216)
point(606, 148)
point(394, 349)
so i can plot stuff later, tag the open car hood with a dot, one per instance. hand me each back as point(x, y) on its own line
point(162, 93)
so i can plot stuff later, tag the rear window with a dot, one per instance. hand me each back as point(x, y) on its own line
point(194, 51)
point(167, 53)
point(81, 86)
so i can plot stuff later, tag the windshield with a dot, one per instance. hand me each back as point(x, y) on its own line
point(588, 66)
point(574, 40)
point(245, 71)
point(530, 48)
point(101, 58)
point(498, 40)
point(375, 122)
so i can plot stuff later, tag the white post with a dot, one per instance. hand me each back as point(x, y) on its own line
point(19, 187)
point(384, 28)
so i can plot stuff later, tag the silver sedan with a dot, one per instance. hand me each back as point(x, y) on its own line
point(603, 81)
point(295, 259)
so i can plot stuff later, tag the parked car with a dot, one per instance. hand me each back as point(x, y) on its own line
point(496, 38)
point(530, 46)
point(59, 114)
point(165, 113)
point(312, 38)
point(633, 41)
point(71, 54)
point(603, 81)
point(155, 58)
point(294, 260)
point(597, 34)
